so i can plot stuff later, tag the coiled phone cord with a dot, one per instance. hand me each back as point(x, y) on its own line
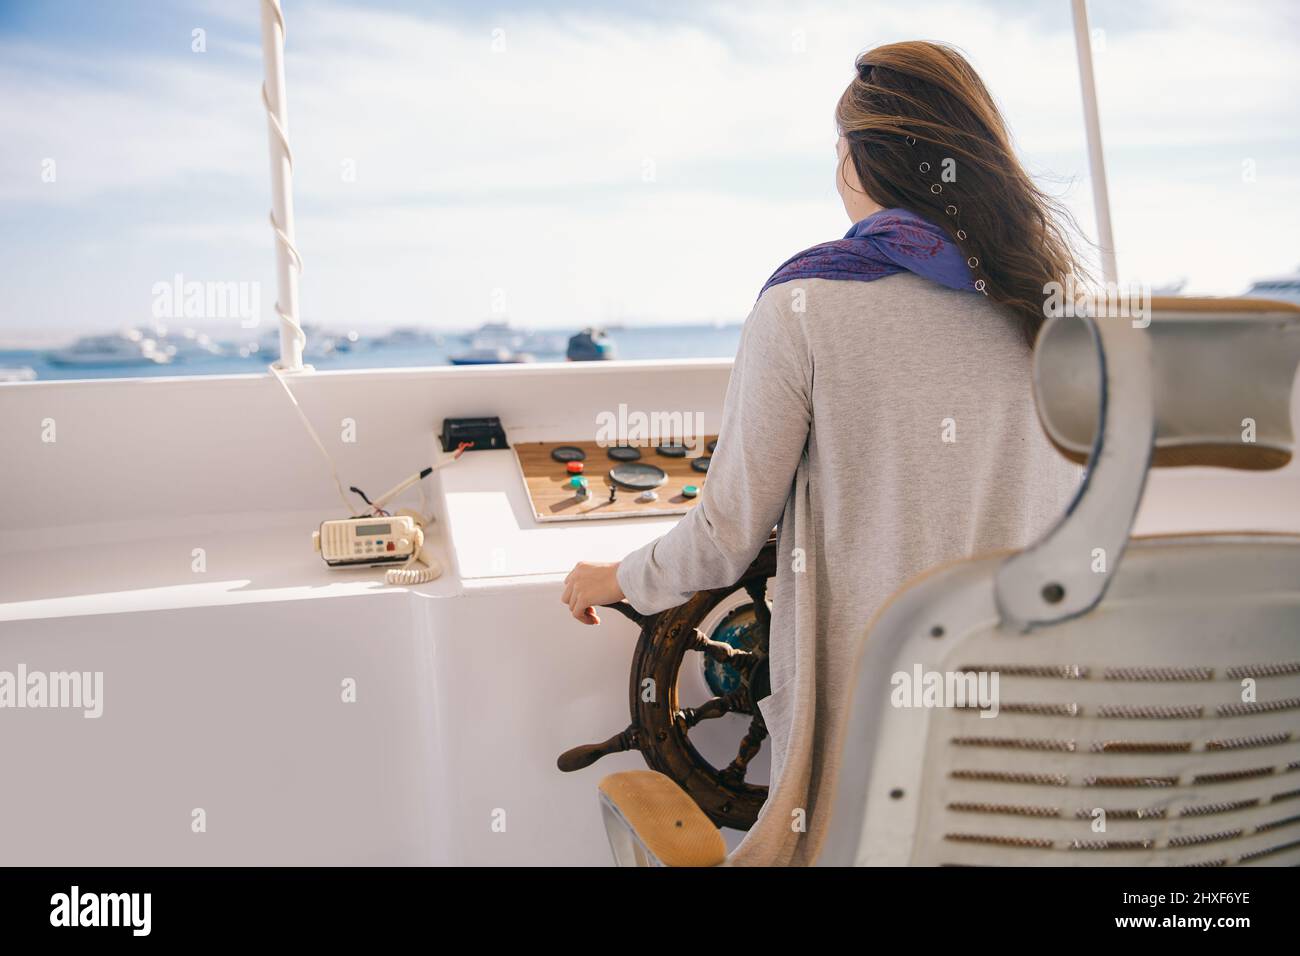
point(411, 573)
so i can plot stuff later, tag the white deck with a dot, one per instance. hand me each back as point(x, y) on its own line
point(222, 688)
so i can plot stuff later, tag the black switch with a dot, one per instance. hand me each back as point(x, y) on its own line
point(482, 434)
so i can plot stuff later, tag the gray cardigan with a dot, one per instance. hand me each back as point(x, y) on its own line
point(888, 427)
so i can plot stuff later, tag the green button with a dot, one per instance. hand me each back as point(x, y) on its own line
point(577, 482)
point(690, 491)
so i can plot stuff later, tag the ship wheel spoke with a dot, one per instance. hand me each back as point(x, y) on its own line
point(750, 744)
point(757, 591)
point(577, 758)
point(627, 610)
point(711, 709)
point(722, 652)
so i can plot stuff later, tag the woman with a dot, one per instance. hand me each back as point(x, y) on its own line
point(879, 410)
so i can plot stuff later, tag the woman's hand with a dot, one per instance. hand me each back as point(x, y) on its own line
point(589, 585)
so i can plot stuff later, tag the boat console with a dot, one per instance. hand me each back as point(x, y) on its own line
point(584, 480)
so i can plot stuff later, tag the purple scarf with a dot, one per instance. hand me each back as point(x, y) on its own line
point(883, 244)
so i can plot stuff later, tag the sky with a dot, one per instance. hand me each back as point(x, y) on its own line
point(572, 162)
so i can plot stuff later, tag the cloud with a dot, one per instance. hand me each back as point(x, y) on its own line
point(597, 165)
point(126, 126)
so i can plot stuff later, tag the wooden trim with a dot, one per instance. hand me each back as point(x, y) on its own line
point(1236, 455)
point(1175, 303)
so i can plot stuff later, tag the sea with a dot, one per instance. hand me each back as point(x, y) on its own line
point(630, 342)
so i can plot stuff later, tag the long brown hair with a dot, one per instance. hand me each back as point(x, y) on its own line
point(917, 114)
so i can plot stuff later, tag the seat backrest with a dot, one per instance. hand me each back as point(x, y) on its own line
point(1091, 700)
point(1221, 372)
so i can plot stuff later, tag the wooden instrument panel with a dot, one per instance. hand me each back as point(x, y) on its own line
point(547, 483)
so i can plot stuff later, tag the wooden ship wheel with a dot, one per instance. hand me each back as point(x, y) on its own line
point(736, 672)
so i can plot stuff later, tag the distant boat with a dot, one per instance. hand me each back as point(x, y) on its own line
point(497, 334)
point(115, 350)
point(495, 343)
point(189, 344)
point(407, 336)
point(489, 356)
point(1285, 288)
point(320, 343)
point(590, 345)
point(23, 373)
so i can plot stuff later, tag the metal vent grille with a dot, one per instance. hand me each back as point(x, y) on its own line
point(1263, 670)
point(1116, 763)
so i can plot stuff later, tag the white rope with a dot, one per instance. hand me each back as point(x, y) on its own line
point(279, 14)
point(334, 472)
point(289, 246)
point(280, 134)
point(286, 320)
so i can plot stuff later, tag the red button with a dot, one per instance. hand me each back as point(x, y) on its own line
point(575, 467)
point(391, 546)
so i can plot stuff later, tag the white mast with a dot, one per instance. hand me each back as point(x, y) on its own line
point(287, 263)
point(1092, 125)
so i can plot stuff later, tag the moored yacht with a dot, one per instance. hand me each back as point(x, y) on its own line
point(495, 343)
point(188, 344)
point(406, 337)
point(487, 355)
point(128, 348)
